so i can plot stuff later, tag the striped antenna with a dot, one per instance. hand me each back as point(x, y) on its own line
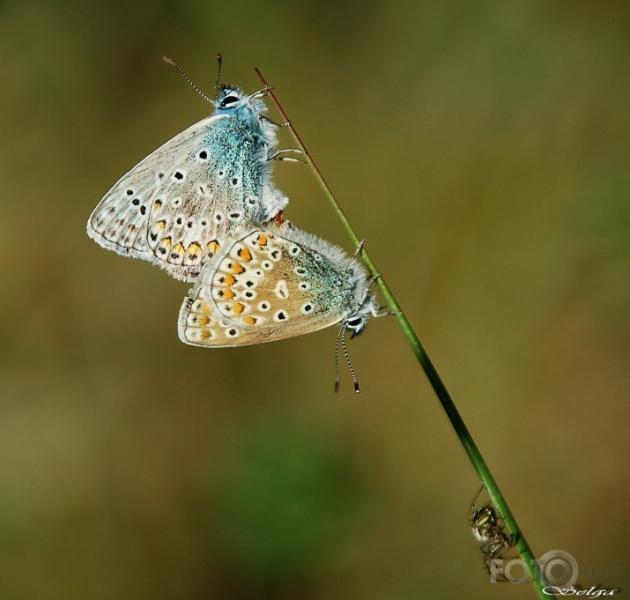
point(172, 63)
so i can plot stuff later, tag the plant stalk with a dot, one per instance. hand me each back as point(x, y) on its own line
point(479, 464)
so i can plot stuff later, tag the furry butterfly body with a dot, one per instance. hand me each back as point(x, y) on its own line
point(208, 184)
point(272, 284)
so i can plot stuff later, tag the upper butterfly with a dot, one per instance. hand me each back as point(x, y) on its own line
point(209, 183)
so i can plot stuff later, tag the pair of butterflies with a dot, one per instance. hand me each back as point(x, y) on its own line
point(203, 207)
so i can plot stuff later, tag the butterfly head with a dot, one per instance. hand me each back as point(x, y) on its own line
point(229, 97)
point(355, 323)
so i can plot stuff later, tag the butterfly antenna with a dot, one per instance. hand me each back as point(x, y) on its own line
point(172, 63)
point(337, 378)
point(219, 69)
point(346, 354)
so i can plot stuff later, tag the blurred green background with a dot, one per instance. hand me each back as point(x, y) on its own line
point(482, 149)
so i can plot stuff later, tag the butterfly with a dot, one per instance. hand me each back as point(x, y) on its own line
point(211, 182)
point(275, 283)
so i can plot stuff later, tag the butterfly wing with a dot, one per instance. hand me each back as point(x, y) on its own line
point(177, 206)
point(262, 288)
point(119, 221)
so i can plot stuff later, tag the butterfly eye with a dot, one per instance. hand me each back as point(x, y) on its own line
point(354, 322)
point(228, 100)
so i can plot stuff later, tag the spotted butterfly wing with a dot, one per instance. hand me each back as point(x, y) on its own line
point(269, 285)
point(178, 205)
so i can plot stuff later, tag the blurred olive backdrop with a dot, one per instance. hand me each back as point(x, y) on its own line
point(482, 149)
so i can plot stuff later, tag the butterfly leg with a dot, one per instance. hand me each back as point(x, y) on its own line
point(383, 312)
point(376, 311)
point(272, 122)
point(287, 159)
point(374, 279)
point(260, 93)
point(371, 280)
point(278, 155)
point(359, 248)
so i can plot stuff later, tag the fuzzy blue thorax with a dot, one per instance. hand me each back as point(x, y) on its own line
point(339, 283)
point(240, 144)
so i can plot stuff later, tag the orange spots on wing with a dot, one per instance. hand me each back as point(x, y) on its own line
point(228, 294)
point(238, 308)
point(279, 218)
point(213, 246)
point(178, 249)
point(227, 279)
point(244, 254)
point(205, 334)
point(261, 240)
point(203, 320)
point(250, 320)
point(161, 224)
point(236, 267)
point(200, 307)
point(165, 243)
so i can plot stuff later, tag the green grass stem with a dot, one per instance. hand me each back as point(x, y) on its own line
point(462, 432)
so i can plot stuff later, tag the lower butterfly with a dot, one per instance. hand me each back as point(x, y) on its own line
point(276, 283)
